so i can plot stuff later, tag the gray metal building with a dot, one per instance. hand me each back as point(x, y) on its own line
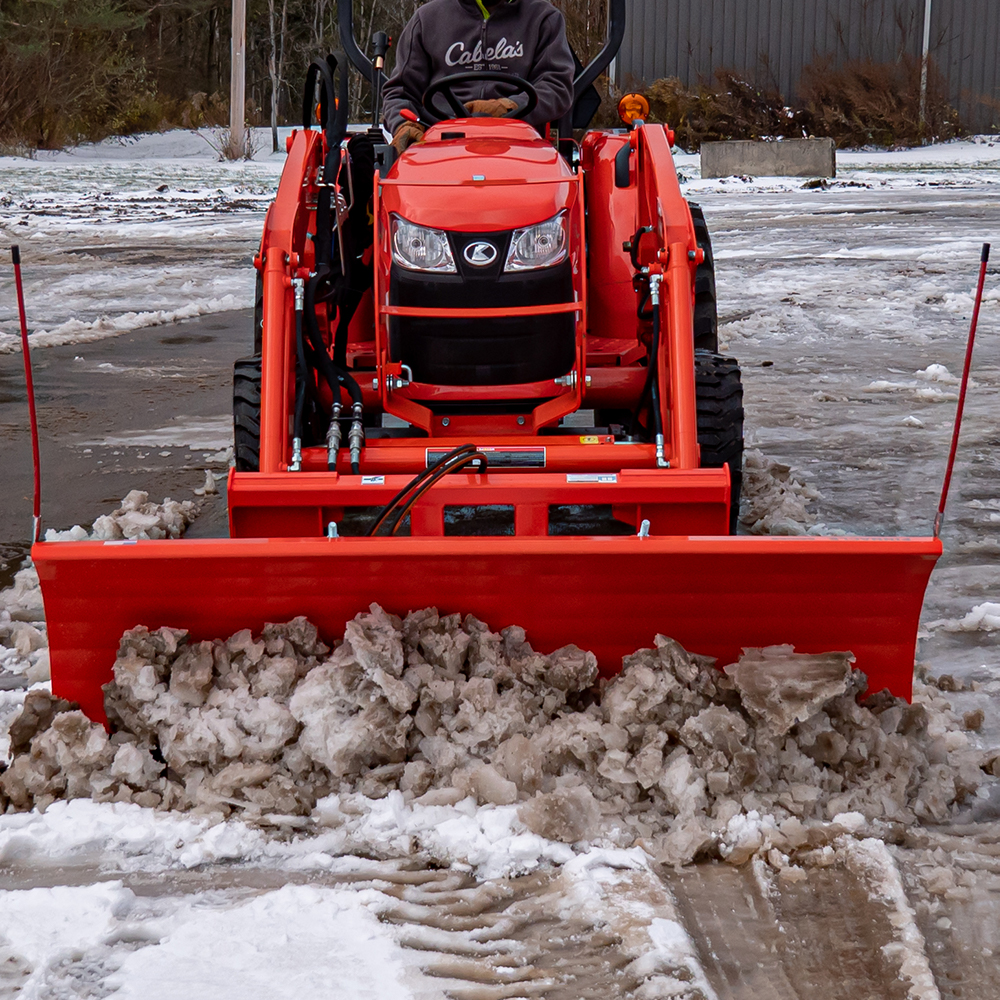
point(770, 41)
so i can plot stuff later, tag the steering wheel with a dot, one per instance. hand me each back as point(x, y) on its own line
point(446, 85)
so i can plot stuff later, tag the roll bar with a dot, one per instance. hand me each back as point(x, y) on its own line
point(345, 23)
point(603, 59)
point(584, 79)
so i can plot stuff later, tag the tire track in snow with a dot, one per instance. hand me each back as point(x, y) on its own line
point(858, 924)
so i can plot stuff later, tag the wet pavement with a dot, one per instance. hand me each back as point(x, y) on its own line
point(148, 410)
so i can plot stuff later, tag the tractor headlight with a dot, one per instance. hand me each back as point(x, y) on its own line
point(538, 246)
point(421, 249)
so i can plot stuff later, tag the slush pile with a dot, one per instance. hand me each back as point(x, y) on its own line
point(672, 755)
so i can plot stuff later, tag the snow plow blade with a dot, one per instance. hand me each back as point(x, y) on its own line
point(714, 595)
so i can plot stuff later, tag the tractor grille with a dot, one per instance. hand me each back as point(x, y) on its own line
point(502, 351)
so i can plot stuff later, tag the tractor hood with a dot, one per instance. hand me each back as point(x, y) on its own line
point(479, 175)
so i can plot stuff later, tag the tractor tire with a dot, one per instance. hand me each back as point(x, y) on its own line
point(246, 414)
point(719, 395)
point(706, 316)
point(258, 315)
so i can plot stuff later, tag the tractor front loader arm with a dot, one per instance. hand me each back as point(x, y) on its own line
point(667, 254)
point(284, 250)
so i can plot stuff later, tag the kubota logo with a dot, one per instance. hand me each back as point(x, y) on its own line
point(480, 254)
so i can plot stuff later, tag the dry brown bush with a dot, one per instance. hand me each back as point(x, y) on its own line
point(865, 103)
point(859, 104)
point(731, 109)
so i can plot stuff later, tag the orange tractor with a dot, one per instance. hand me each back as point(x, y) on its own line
point(502, 398)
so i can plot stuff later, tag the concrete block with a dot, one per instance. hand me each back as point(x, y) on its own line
point(785, 158)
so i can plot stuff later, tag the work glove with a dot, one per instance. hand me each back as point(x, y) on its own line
point(407, 133)
point(495, 108)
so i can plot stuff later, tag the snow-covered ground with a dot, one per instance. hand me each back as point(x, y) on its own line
point(149, 229)
point(131, 232)
point(848, 305)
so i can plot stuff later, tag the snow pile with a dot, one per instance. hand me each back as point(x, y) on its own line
point(918, 392)
point(773, 501)
point(431, 710)
point(137, 518)
point(982, 618)
point(23, 641)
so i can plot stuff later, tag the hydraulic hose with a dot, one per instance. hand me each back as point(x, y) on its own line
point(412, 484)
point(333, 112)
point(301, 377)
point(337, 378)
point(423, 481)
point(654, 298)
point(643, 396)
point(440, 470)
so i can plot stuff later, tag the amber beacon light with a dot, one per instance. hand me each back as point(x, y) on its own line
point(632, 107)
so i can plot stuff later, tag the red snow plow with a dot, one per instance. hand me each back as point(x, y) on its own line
point(502, 398)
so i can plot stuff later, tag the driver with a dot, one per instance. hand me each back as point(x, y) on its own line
point(526, 38)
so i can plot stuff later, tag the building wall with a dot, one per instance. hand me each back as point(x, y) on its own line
point(770, 41)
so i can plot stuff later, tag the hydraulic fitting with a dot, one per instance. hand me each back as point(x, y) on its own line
point(356, 436)
point(333, 435)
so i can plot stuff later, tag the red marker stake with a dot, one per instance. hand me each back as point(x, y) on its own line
point(36, 524)
point(961, 395)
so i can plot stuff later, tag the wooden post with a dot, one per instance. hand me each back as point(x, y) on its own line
point(924, 56)
point(272, 67)
point(237, 82)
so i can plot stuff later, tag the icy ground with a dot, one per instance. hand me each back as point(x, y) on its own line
point(116, 236)
point(848, 306)
point(130, 233)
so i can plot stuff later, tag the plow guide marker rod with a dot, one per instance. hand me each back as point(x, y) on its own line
point(36, 508)
point(939, 517)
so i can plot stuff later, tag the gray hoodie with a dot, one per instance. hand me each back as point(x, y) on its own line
point(444, 37)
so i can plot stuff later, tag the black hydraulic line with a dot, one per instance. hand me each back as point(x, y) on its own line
point(337, 377)
point(347, 307)
point(439, 472)
point(301, 379)
point(643, 396)
point(415, 482)
point(654, 363)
